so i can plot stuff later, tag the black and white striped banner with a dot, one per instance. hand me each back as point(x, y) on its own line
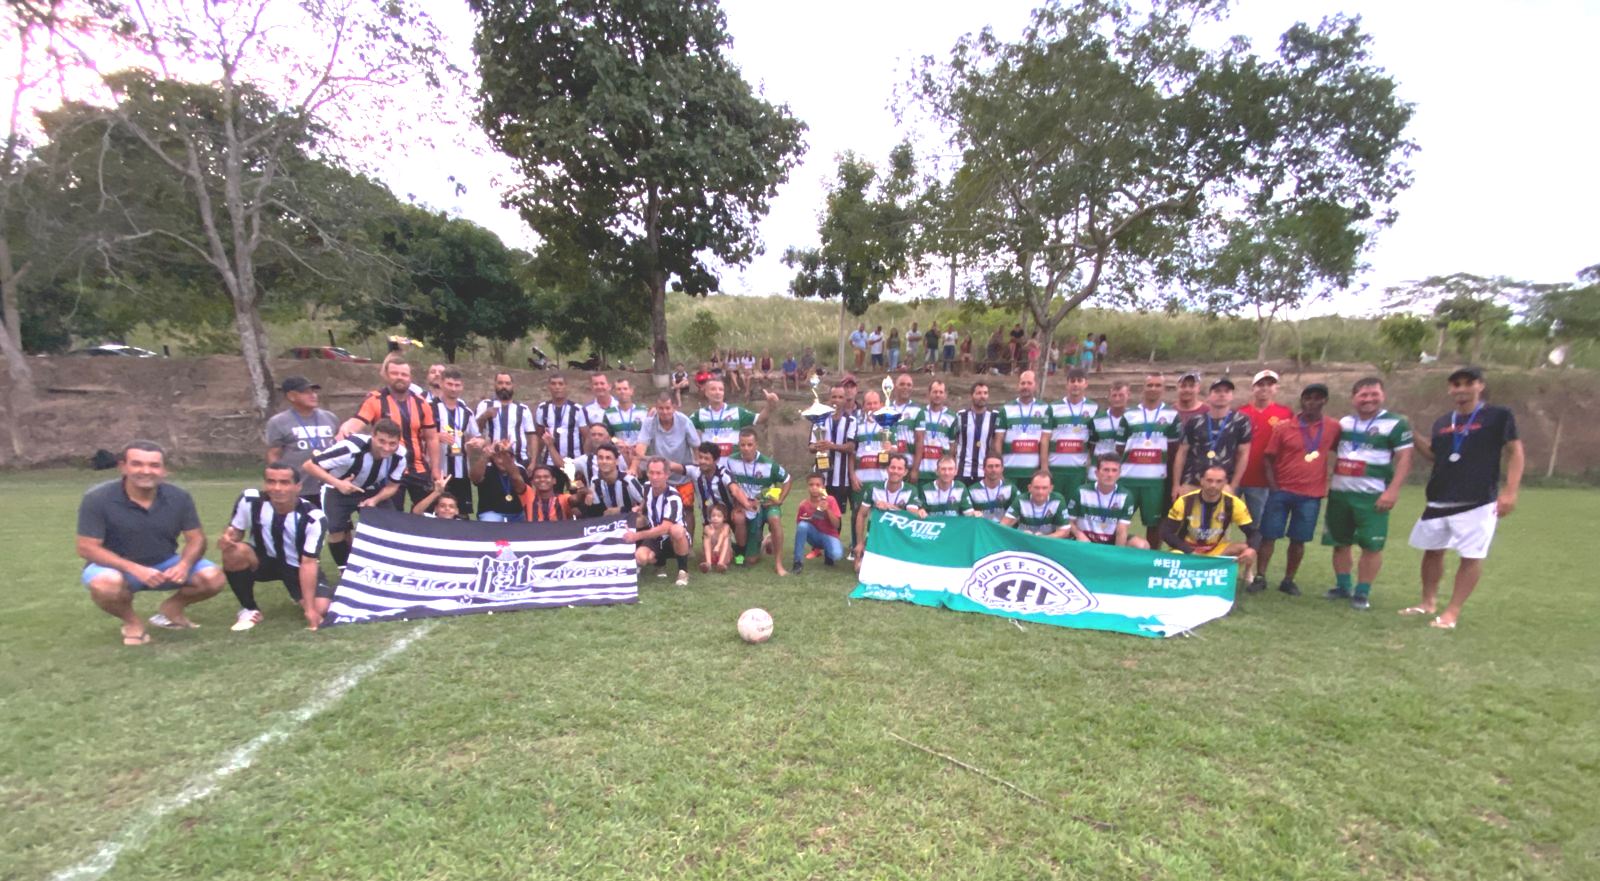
point(406, 566)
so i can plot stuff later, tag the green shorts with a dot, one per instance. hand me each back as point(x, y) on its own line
point(1067, 481)
point(1150, 499)
point(1354, 519)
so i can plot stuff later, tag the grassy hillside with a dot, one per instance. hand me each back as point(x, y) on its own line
point(782, 324)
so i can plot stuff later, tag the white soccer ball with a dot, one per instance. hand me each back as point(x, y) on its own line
point(755, 625)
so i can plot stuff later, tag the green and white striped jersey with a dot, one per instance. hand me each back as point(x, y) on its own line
point(1365, 455)
point(1103, 433)
point(721, 427)
point(938, 429)
point(905, 430)
point(1035, 518)
point(868, 445)
point(990, 502)
point(1071, 426)
point(1098, 513)
point(1023, 427)
point(627, 425)
point(903, 497)
point(941, 502)
point(1145, 434)
point(756, 477)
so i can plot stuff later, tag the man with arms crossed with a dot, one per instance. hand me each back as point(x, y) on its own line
point(275, 535)
point(128, 532)
point(1465, 501)
point(1371, 464)
point(1101, 511)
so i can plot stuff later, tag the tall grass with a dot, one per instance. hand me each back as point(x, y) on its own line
point(781, 325)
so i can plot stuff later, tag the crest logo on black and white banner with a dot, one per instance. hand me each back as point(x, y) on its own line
point(1020, 582)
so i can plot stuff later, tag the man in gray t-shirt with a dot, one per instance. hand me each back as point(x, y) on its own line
point(300, 432)
point(670, 435)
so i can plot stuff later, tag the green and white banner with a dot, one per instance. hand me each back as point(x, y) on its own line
point(972, 565)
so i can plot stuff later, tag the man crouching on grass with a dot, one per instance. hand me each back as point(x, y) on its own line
point(276, 534)
point(128, 533)
point(1199, 520)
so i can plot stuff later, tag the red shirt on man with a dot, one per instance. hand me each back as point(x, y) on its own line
point(1263, 423)
point(1291, 442)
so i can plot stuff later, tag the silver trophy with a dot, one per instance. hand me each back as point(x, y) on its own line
point(817, 414)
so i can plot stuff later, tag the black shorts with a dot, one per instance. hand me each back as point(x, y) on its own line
point(341, 508)
point(274, 570)
point(660, 549)
point(414, 487)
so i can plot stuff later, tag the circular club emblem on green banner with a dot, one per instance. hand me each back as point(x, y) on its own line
point(1019, 582)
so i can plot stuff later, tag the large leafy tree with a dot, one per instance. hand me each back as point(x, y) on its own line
point(586, 308)
point(1466, 305)
point(455, 281)
point(867, 231)
point(1093, 147)
point(643, 149)
point(1570, 312)
point(270, 83)
point(1275, 263)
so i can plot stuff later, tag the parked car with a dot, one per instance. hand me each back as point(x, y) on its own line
point(538, 360)
point(117, 350)
point(325, 353)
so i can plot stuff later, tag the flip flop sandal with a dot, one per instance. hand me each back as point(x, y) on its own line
point(141, 639)
point(1438, 624)
point(1415, 610)
point(165, 623)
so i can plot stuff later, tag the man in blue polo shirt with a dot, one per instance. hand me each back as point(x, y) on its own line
point(128, 534)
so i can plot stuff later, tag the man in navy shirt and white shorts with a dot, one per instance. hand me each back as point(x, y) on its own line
point(1465, 501)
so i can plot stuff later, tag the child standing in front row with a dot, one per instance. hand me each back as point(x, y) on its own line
point(716, 546)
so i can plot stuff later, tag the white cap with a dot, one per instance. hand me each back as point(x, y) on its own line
point(1265, 374)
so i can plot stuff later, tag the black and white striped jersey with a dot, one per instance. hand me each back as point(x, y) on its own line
point(513, 422)
point(974, 432)
point(624, 493)
point(352, 459)
point(282, 536)
point(663, 507)
point(713, 487)
point(456, 426)
point(839, 429)
point(563, 424)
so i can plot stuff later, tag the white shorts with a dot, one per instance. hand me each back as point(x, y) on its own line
point(1468, 532)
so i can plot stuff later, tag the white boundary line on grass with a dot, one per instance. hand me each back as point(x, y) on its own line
point(232, 762)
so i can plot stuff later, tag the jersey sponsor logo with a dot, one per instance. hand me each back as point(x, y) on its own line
point(1350, 468)
point(1144, 456)
point(1016, 581)
point(1025, 445)
point(1068, 445)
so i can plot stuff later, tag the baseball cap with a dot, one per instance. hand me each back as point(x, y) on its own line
point(1223, 381)
point(1190, 374)
point(1467, 372)
point(1265, 374)
point(1315, 388)
point(848, 379)
point(298, 384)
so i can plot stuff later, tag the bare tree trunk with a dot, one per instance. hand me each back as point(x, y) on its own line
point(254, 346)
point(843, 336)
point(1266, 337)
point(1477, 345)
point(19, 392)
point(1555, 442)
point(661, 362)
point(950, 296)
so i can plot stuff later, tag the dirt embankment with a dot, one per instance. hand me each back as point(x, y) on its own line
point(199, 408)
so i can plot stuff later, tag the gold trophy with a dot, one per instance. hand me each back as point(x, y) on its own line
point(817, 414)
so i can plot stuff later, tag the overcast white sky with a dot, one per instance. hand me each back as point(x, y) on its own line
point(1506, 95)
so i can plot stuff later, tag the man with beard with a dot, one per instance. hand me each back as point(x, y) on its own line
point(502, 418)
point(457, 425)
point(974, 438)
point(419, 434)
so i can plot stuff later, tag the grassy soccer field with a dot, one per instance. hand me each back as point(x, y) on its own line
point(1294, 739)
